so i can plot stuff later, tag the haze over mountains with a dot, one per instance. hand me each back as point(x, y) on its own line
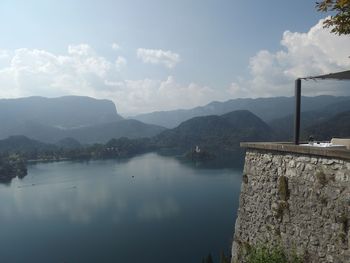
point(85, 119)
point(217, 136)
point(63, 112)
point(336, 126)
point(315, 122)
point(267, 109)
point(73, 121)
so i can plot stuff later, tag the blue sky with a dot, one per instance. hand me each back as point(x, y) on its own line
point(205, 49)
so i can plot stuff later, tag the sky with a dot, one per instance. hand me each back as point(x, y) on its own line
point(162, 55)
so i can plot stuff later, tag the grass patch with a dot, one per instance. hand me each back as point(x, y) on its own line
point(283, 188)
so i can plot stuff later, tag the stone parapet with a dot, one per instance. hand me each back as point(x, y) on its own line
point(336, 152)
point(297, 198)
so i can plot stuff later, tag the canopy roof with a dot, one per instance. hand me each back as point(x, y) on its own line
point(344, 75)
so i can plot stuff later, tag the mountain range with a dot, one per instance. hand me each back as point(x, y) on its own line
point(85, 119)
point(217, 136)
point(336, 126)
point(313, 123)
point(63, 112)
point(268, 119)
point(267, 109)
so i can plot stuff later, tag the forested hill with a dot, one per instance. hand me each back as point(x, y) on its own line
point(336, 126)
point(211, 132)
point(310, 120)
point(216, 133)
point(23, 144)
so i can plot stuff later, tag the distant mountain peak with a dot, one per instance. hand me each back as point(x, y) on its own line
point(85, 119)
point(267, 109)
point(64, 112)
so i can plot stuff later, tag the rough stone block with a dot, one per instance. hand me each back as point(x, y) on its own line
point(312, 213)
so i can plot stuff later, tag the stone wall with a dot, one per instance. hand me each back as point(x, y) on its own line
point(296, 201)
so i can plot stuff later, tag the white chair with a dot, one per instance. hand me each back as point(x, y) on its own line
point(340, 141)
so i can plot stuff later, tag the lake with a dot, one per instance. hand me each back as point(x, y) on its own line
point(149, 208)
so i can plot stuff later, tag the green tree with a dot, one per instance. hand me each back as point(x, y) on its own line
point(208, 259)
point(339, 21)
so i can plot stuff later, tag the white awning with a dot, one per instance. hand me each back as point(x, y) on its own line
point(344, 75)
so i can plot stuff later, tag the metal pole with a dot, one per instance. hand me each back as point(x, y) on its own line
point(297, 111)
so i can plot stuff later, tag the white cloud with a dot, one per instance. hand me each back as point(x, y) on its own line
point(5, 57)
point(120, 63)
point(80, 50)
point(81, 71)
point(115, 46)
point(158, 56)
point(304, 54)
point(147, 95)
point(38, 72)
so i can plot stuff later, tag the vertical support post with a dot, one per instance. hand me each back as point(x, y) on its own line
point(297, 111)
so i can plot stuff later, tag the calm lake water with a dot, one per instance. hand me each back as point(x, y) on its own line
point(149, 209)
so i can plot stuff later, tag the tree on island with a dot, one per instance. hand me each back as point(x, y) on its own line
point(340, 20)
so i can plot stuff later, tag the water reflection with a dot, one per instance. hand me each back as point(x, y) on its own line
point(79, 201)
point(109, 205)
point(159, 209)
